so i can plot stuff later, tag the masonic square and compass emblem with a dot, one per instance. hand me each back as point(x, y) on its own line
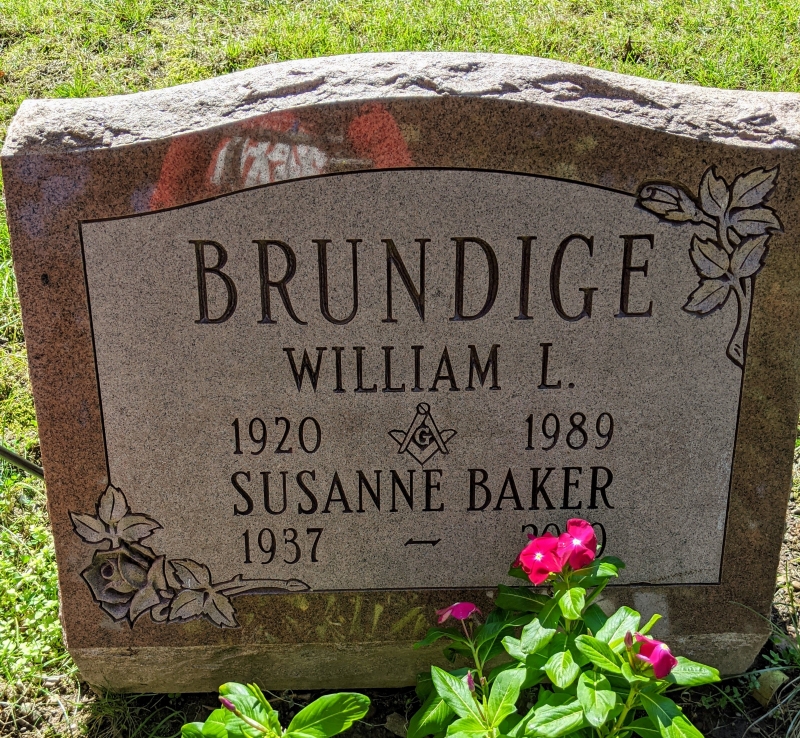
point(423, 440)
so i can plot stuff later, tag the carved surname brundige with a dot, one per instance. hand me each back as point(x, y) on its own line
point(583, 247)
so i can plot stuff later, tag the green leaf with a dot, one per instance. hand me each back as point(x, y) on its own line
point(671, 722)
point(251, 702)
point(520, 599)
point(555, 721)
point(518, 731)
point(619, 563)
point(605, 569)
point(216, 724)
point(192, 730)
point(572, 603)
point(631, 676)
point(599, 653)
point(644, 728)
point(467, 727)
point(504, 695)
point(553, 699)
point(551, 613)
point(621, 622)
point(434, 715)
point(518, 573)
point(509, 724)
point(595, 618)
point(455, 693)
point(434, 634)
point(488, 640)
point(562, 669)
point(454, 650)
point(601, 569)
point(533, 639)
point(424, 685)
point(691, 674)
point(513, 648)
point(596, 697)
point(328, 715)
point(650, 623)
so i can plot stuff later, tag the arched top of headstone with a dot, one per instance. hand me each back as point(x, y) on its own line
point(732, 116)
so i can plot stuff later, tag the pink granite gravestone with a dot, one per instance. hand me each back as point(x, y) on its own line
point(315, 345)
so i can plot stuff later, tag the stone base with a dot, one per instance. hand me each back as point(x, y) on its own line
point(322, 666)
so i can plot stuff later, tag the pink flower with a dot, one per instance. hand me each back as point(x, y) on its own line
point(541, 558)
point(459, 610)
point(578, 545)
point(656, 653)
point(470, 682)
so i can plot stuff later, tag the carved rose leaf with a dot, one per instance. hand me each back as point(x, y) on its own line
point(747, 260)
point(190, 574)
point(90, 528)
point(148, 596)
point(714, 196)
point(754, 222)
point(112, 506)
point(187, 604)
point(711, 294)
point(753, 188)
point(711, 261)
point(134, 528)
point(219, 610)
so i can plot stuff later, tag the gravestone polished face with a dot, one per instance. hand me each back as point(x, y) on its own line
point(306, 376)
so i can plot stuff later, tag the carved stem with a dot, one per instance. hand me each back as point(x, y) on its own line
point(743, 290)
point(238, 586)
point(722, 235)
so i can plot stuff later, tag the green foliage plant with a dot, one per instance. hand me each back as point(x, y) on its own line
point(594, 676)
point(246, 713)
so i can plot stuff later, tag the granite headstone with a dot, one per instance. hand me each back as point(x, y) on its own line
point(315, 346)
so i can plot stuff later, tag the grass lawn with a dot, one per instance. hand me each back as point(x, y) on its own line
point(78, 48)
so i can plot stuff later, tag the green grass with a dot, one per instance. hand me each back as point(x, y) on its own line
point(63, 48)
point(82, 48)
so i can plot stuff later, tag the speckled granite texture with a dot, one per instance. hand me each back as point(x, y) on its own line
point(70, 163)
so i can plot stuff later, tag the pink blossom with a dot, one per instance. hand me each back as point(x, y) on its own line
point(657, 654)
point(227, 704)
point(578, 545)
point(470, 682)
point(459, 610)
point(541, 558)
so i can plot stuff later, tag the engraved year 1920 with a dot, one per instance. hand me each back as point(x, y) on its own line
point(309, 435)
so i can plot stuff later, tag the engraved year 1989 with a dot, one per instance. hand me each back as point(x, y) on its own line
point(575, 434)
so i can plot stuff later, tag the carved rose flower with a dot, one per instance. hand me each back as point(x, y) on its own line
point(127, 581)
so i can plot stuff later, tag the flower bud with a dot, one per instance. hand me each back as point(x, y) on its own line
point(671, 203)
point(470, 682)
point(629, 640)
point(227, 704)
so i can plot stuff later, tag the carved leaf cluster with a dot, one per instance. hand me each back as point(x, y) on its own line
point(197, 596)
point(114, 521)
point(128, 579)
point(739, 220)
